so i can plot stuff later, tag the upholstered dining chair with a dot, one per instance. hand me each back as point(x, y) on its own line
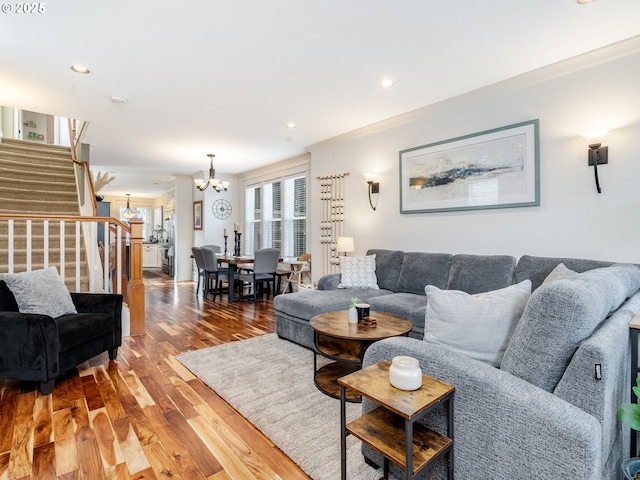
point(265, 264)
point(214, 276)
point(196, 252)
point(218, 250)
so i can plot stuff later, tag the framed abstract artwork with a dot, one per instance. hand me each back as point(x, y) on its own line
point(496, 168)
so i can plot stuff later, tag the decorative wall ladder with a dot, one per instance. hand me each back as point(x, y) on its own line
point(332, 197)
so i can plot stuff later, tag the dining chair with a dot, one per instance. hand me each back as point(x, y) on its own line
point(196, 253)
point(214, 276)
point(265, 264)
point(218, 250)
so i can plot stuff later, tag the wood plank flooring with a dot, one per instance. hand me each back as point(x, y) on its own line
point(144, 416)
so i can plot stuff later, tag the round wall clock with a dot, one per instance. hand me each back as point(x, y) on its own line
point(221, 208)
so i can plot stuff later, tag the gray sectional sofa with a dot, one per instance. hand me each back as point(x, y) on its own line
point(549, 410)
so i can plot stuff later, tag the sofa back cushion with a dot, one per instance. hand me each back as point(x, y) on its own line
point(388, 265)
point(480, 273)
point(7, 300)
point(559, 316)
point(422, 269)
point(537, 269)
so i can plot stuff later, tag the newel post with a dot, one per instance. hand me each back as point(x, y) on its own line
point(136, 285)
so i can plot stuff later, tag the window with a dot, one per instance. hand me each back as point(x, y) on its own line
point(276, 216)
point(145, 214)
point(252, 216)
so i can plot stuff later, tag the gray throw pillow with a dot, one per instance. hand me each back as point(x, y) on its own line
point(40, 291)
point(478, 326)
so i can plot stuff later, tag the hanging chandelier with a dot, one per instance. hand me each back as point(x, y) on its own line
point(128, 213)
point(216, 184)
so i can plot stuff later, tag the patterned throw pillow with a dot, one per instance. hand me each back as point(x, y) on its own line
point(358, 272)
point(40, 291)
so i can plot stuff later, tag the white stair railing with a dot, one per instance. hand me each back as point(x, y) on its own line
point(104, 261)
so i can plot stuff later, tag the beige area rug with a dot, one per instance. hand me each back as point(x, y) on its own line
point(270, 382)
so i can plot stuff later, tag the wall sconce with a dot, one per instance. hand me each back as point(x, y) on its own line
point(598, 155)
point(345, 244)
point(374, 187)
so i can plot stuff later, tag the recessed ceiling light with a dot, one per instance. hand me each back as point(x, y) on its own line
point(584, 2)
point(291, 125)
point(80, 69)
point(118, 100)
point(386, 83)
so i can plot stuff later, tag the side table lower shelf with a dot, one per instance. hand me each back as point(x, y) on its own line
point(384, 431)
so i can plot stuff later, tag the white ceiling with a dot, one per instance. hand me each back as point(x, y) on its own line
point(224, 77)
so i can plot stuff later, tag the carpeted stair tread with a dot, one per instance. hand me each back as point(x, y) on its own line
point(35, 161)
point(17, 193)
point(39, 207)
point(24, 145)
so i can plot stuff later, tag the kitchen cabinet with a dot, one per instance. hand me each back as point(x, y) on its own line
point(151, 255)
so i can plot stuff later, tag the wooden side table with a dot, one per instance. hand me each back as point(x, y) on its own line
point(346, 343)
point(390, 429)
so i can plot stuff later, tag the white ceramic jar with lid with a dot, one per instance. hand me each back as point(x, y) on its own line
point(405, 373)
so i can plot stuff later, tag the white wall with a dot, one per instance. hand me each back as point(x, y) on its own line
point(212, 232)
point(598, 89)
point(183, 212)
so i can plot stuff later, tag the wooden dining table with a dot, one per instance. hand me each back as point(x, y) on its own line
point(235, 264)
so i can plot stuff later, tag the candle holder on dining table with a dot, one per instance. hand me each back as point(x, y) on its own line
point(236, 248)
point(226, 251)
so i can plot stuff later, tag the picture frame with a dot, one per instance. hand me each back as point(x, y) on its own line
point(197, 215)
point(498, 168)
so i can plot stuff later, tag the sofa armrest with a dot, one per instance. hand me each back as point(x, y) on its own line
point(110, 303)
point(28, 346)
point(503, 423)
point(329, 282)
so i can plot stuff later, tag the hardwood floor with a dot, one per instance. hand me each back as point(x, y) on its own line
point(144, 416)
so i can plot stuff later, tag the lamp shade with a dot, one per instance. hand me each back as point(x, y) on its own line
point(594, 135)
point(345, 244)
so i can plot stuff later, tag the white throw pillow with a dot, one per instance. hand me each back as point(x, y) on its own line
point(478, 326)
point(358, 272)
point(40, 291)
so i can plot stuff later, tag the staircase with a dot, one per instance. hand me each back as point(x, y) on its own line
point(37, 179)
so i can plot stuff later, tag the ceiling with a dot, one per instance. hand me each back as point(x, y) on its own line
point(225, 77)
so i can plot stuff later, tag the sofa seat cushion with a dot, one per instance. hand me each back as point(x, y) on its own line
point(401, 304)
point(478, 326)
point(74, 330)
point(481, 273)
point(308, 304)
point(559, 316)
point(421, 269)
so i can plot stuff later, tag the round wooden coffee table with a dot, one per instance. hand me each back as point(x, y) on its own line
point(345, 343)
